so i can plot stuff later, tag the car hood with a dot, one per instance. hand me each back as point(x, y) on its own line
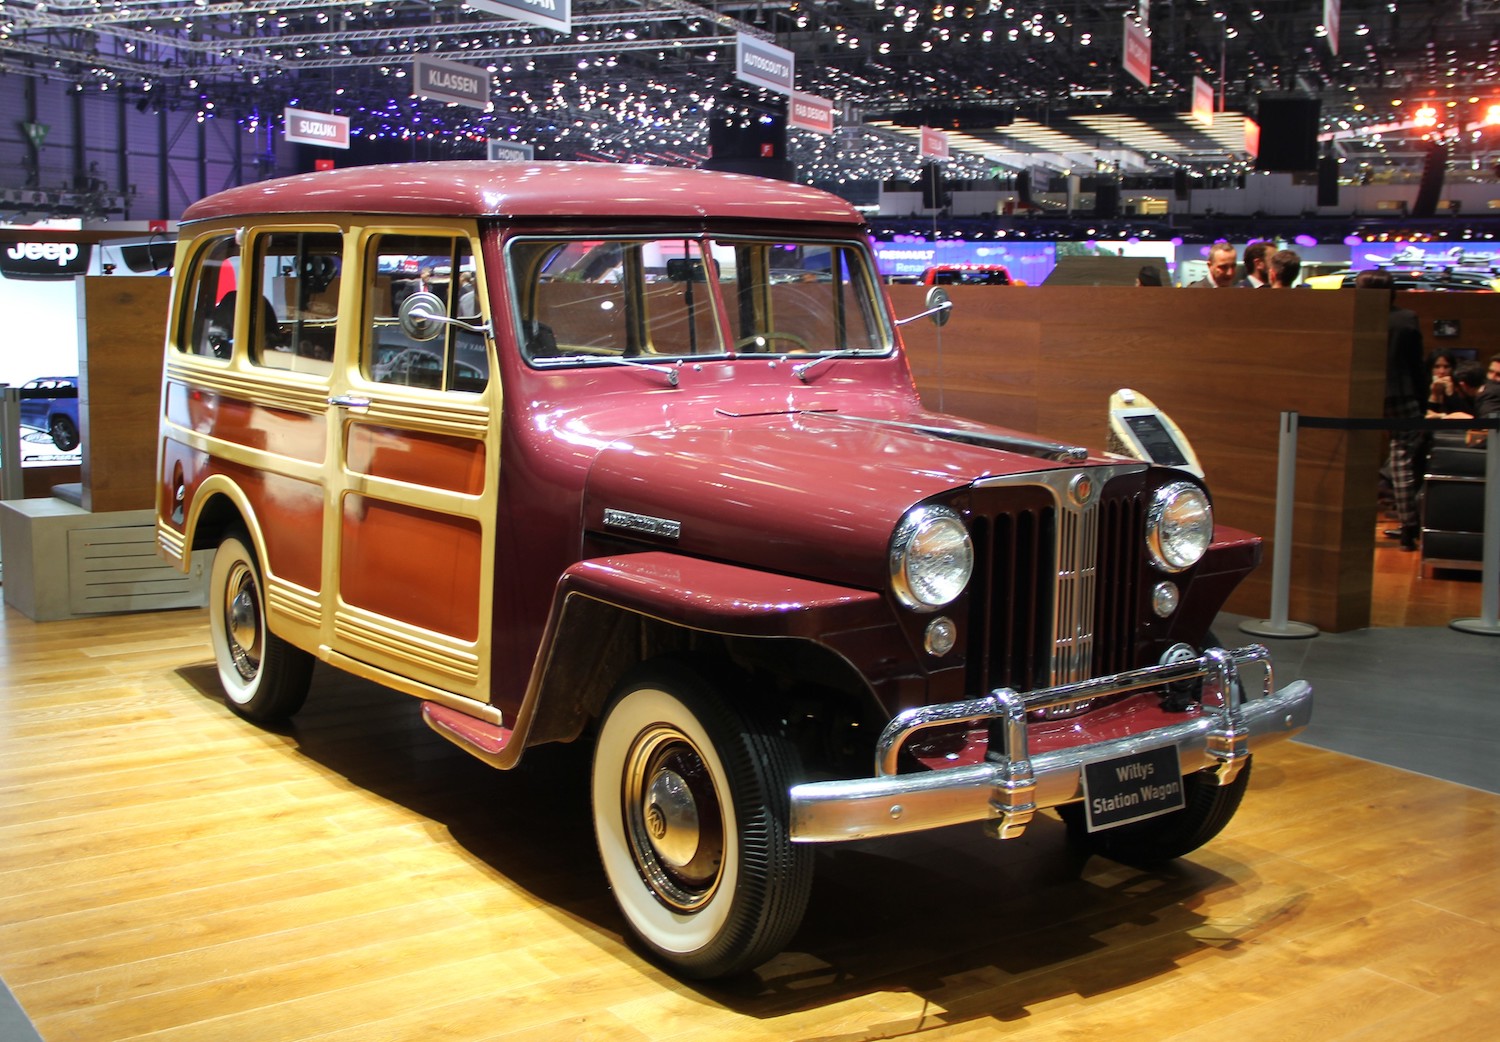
point(806, 493)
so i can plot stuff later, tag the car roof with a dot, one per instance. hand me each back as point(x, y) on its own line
point(478, 188)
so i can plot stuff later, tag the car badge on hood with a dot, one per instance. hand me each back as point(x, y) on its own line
point(643, 523)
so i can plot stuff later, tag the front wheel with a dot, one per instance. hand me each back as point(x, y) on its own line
point(1207, 808)
point(264, 678)
point(64, 433)
point(690, 810)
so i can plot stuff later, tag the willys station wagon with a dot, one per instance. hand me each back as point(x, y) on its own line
point(633, 455)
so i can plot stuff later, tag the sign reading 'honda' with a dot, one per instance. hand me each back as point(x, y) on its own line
point(44, 260)
point(316, 128)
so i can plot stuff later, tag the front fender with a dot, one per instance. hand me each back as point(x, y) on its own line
point(610, 612)
point(722, 598)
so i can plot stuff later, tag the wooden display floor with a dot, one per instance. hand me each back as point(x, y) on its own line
point(170, 872)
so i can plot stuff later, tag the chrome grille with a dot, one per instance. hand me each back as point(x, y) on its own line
point(1055, 599)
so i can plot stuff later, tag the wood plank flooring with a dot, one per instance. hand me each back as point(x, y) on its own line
point(170, 872)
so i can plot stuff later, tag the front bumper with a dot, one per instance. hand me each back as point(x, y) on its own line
point(1011, 786)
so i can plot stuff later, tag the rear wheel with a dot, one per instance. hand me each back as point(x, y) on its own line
point(1207, 808)
point(264, 678)
point(691, 814)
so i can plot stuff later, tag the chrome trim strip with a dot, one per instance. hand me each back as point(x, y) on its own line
point(1005, 792)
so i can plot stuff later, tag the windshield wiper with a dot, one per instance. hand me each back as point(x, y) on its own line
point(801, 370)
point(648, 363)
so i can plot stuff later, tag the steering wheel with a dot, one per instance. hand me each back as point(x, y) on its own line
point(761, 339)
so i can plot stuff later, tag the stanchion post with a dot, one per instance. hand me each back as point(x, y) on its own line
point(1281, 552)
point(1489, 592)
point(12, 483)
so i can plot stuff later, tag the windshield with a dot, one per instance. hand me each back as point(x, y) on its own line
point(660, 298)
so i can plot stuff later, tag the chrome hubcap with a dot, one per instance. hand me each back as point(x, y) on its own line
point(242, 622)
point(674, 820)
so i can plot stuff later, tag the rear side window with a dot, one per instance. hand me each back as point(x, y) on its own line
point(212, 295)
point(442, 265)
point(296, 296)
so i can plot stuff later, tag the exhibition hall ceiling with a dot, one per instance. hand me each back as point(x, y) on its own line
point(1018, 85)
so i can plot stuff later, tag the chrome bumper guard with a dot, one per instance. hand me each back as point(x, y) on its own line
point(1011, 786)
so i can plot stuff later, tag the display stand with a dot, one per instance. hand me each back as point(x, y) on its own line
point(91, 548)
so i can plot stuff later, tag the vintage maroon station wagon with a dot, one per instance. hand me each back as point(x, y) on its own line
point(633, 455)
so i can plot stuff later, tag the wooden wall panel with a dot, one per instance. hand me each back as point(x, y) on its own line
point(1224, 366)
point(122, 325)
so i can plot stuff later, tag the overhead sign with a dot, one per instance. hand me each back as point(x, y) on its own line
point(44, 260)
point(549, 14)
point(451, 81)
point(1203, 101)
point(807, 112)
point(510, 150)
point(934, 143)
point(316, 128)
point(764, 64)
point(1137, 56)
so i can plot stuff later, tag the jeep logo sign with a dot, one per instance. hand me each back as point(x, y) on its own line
point(44, 260)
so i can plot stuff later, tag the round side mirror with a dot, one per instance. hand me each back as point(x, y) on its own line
point(939, 304)
point(421, 316)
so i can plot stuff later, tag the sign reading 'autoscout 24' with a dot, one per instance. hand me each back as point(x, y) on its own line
point(549, 14)
point(451, 81)
point(764, 64)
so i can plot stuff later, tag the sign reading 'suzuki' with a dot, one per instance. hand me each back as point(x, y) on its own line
point(764, 64)
point(316, 128)
point(451, 81)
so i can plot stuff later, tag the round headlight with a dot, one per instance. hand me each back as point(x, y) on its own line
point(932, 558)
point(1179, 526)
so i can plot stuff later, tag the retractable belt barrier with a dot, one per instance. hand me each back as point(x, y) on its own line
point(1286, 486)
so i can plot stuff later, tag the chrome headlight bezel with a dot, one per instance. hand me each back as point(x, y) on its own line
point(931, 558)
point(1179, 526)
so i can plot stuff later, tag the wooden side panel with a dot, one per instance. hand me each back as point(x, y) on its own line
point(1224, 366)
point(122, 327)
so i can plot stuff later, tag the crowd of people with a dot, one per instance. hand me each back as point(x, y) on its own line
point(1266, 267)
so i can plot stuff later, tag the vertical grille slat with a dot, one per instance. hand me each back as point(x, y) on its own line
point(1059, 595)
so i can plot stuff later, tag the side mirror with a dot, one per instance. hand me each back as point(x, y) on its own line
point(938, 308)
point(421, 316)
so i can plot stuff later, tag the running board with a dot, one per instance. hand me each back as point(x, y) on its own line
point(479, 738)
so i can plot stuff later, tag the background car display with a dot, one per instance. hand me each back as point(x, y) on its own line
point(1439, 279)
point(50, 403)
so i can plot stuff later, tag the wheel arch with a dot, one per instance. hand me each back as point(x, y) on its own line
point(601, 631)
point(220, 507)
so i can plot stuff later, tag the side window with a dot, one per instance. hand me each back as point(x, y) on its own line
point(296, 296)
point(212, 296)
point(402, 265)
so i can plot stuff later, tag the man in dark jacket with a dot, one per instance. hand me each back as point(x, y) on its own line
point(1405, 389)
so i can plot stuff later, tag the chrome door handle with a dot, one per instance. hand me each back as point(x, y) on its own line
point(350, 401)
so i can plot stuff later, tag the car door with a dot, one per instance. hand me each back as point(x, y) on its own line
point(415, 428)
